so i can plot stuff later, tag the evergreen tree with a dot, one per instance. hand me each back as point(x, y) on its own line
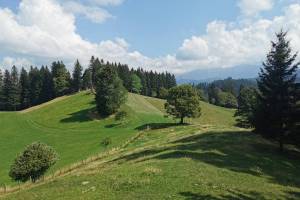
point(6, 90)
point(25, 88)
point(110, 93)
point(247, 102)
point(77, 77)
point(61, 79)
point(47, 92)
point(35, 82)
point(87, 79)
point(277, 96)
point(14, 94)
point(1, 91)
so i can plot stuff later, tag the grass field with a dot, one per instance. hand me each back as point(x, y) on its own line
point(69, 126)
point(208, 159)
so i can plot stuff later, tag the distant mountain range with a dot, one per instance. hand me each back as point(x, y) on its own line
point(209, 75)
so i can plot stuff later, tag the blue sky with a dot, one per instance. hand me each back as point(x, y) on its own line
point(175, 35)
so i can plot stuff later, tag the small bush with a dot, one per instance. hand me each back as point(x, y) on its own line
point(33, 162)
point(120, 115)
point(106, 141)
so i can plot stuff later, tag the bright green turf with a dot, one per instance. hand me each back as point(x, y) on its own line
point(68, 126)
point(209, 159)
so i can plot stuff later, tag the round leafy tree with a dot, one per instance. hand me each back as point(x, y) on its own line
point(33, 162)
point(183, 101)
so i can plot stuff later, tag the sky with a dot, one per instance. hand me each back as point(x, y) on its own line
point(179, 36)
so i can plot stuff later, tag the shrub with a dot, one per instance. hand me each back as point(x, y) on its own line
point(106, 141)
point(33, 162)
point(120, 115)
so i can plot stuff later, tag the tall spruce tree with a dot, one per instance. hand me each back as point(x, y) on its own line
point(24, 86)
point(47, 92)
point(87, 79)
point(1, 91)
point(6, 90)
point(35, 82)
point(77, 77)
point(277, 96)
point(61, 78)
point(14, 94)
point(110, 92)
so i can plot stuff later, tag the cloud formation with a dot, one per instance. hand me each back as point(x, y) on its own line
point(254, 7)
point(42, 31)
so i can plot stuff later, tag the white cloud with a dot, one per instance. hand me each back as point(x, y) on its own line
point(254, 7)
point(227, 44)
point(107, 2)
point(93, 13)
point(44, 31)
point(8, 62)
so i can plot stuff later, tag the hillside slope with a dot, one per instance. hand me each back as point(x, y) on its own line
point(209, 159)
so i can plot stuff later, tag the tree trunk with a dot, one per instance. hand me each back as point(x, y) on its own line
point(281, 142)
point(181, 120)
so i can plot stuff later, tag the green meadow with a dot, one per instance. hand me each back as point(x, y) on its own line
point(209, 158)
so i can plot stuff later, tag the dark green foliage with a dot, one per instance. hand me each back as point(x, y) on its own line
point(87, 79)
point(277, 96)
point(33, 162)
point(110, 93)
point(247, 103)
point(11, 90)
point(226, 99)
point(120, 115)
point(106, 142)
point(223, 92)
point(61, 79)
point(183, 101)
point(1, 92)
point(41, 85)
point(77, 77)
point(47, 92)
point(163, 93)
point(135, 84)
point(25, 86)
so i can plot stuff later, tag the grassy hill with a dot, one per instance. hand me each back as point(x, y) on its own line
point(209, 159)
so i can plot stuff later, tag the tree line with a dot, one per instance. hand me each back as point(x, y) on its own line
point(23, 89)
point(224, 92)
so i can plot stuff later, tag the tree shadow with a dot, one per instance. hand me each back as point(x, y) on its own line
point(155, 126)
point(113, 125)
point(232, 196)
point(241, 152)
point(80, 116)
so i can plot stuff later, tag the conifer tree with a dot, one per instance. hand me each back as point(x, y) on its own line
point(77, 77)
point(87, 79)
point(14, 94)
point(1, 91)
point(24, 86)
point(61, 79)
point(110, 93)
point(277, 96)
point(6, 90)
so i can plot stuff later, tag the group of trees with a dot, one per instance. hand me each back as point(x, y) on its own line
point(139, 81)
point(224, 92)
point(273, 108)
point(23, 89)
point(20, 90)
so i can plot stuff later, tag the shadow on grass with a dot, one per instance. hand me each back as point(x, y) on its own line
point(80, 116)
point(155, 126)
point(241, 152)
point(112, 125)
point(232, 196)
